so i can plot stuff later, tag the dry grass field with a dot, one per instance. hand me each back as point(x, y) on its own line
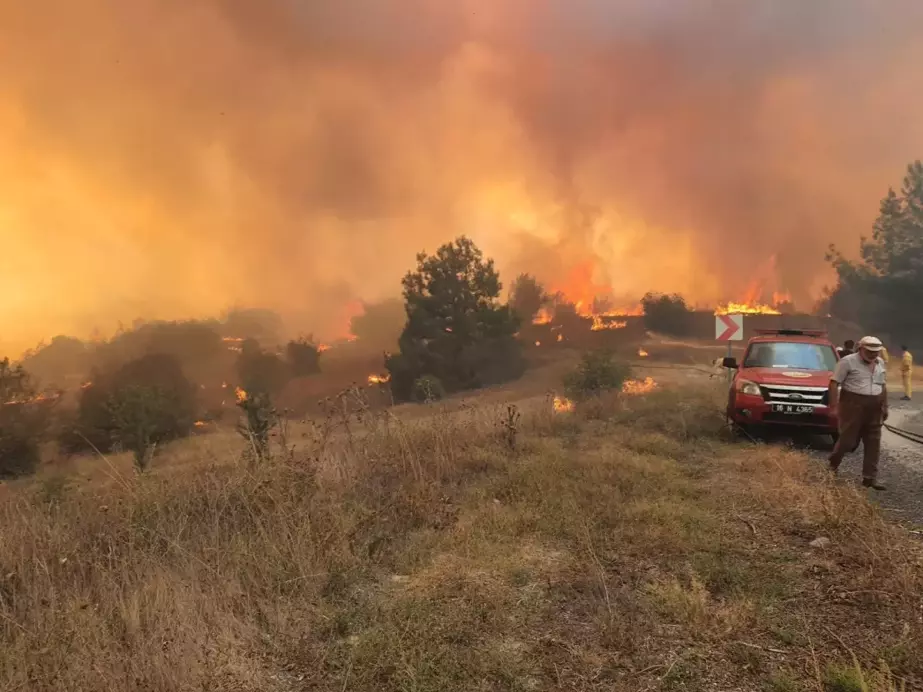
point(628, 545)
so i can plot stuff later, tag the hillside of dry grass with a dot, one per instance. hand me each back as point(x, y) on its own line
point(627, 546)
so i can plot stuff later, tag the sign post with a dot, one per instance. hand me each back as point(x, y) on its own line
point(729, 328)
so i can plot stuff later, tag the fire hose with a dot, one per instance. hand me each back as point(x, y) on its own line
point(906, 434)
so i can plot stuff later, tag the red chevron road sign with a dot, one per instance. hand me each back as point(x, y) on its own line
point(729, 327)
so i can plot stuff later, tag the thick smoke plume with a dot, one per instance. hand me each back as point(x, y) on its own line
point(169, 158)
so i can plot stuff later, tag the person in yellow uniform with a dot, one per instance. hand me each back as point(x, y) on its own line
point(907, 373)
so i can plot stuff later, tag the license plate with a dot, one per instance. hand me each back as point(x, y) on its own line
point(792, 408)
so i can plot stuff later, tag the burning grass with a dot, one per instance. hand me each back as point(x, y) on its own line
point(634, 548)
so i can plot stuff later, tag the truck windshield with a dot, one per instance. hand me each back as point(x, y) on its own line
point(787, 354)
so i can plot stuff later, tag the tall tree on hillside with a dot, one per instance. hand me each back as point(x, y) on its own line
point(884, 288)
point(456, 331)
point(527, 297)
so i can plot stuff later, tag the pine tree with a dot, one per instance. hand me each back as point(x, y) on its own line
point(456, 329)
point(878, 253)
point(527, 297)
point(885, 288)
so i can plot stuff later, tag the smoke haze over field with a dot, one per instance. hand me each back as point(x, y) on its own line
point(168, 158)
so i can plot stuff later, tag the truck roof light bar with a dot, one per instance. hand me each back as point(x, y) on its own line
point(791, 332)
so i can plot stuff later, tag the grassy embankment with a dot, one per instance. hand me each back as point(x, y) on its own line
point(627, 546)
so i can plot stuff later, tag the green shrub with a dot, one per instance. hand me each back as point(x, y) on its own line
point(303, 357)
point(143, 403)
point(667, 314)
point(24, 420)
point(260, 419)
point(261, 371)
point(428, 388)
point(597, 373)
point(527, 297)
point(141, 416)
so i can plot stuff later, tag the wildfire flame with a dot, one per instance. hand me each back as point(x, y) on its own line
point(599, 324)
point(543, 317)
point(634, 387)
point(642, 353)
point(562, 405)
point(379, 379)
point(240, 394)
point(38, 398)
point(560, 337)
point(733, 308)
point(753, 304)
point(200, 424)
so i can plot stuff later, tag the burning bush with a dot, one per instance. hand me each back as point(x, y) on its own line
point(143, 403)
point(24, 420)
point(456, 330)
point(597, 373)
point(260, 419)
point(667, 314)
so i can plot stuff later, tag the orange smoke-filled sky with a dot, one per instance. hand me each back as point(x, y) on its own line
point(170, 158)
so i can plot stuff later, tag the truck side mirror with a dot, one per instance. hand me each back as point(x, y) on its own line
point(729, 363)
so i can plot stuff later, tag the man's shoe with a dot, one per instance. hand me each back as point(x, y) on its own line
point(873, 484)
point(833, 469)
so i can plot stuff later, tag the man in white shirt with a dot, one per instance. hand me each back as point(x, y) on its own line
point(859, 393)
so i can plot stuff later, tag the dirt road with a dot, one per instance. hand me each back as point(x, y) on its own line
point(901, 465)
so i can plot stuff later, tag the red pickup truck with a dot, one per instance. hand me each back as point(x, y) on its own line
point(783, 381)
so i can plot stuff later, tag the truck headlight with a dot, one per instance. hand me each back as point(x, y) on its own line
point(748, 387)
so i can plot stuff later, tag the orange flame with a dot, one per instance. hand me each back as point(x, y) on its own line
point(240, 394)
point(643, 353)
point(733, 308)
point(781, 298)
point(753, 302)
point(38, 398)
point(562, 405)
point(543, 317)
point(200, 424)
point(379, 379)
point(634, 387)
point(599, 324)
